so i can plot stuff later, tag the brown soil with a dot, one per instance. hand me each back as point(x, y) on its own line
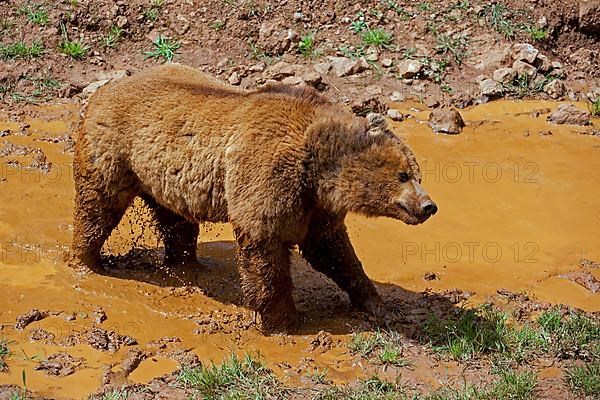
point(243, 38)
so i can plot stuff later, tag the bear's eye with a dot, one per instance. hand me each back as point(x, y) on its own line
point(403, 177)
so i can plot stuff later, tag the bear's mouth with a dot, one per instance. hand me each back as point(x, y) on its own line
point(409, 217)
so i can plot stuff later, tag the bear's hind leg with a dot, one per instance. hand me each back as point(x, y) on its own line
point(179, 235)
point(99, 206)
point(328, 249)
point(266, 282)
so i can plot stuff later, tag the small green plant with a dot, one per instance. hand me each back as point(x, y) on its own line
point(5, 25)
point(164, 48)
point(359, 24)
point(376, 37)
point(476, 331)
point(218, 25)
point(318, 376)
point(424, 6)
point(74, 49)
point(373, 388)
point(116, 394)
point(570, 334)
point(537, 34)
point(392, 355)
point(307, 45)
point(152, 13)
point(435, 68)
point(594, 107)
point(499, 18)
point(585, 379)
point(20, 50)
point(113, 36)
point(235, 378)
point(455, 45)
point(351, 52)
point(384, 347)
point(35, 13)
point(514, 385)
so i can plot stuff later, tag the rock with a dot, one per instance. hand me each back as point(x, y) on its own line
point(430, 276)
point(92, 87)
point(372, 54)
point(431, 101)
point(555, 89)
point(395, 115)
point(569, 114)
point(298, 16)
point(491, 58)
point(369, 104)
point(489, 87)
point(279, 71)
point(446, 120)
point(387, 62)
point(259, 67)
point(122, 21)
point(25, 319)
point(223, 62)
point(274, 39)
point(312, 78)
point(538, 82)
point(524, 69)
point(504, 75)
point(322, 67)
point(112, 75)
point(344, 66)
point(234, 79)
point(589, 16)
point(409, 68)
point(292, 80)
point(524, 52)
point(543, 64)
point(397, 96)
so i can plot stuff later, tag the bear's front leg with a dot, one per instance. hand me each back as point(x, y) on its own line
point(266, 282)
point(328, 249)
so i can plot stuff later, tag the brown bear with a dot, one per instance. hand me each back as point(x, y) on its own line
point(280, 163)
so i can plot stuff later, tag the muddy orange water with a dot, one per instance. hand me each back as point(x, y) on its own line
point(517, 210)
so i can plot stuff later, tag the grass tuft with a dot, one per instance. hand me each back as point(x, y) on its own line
point(35, 13)
point(235, 378)
point(498, 17)
point(164, 48)
point(376, 37)
point(113, 37)
point(537, 34)
point(570, 334)
point(20, 50)
point(74, 49)
point(152, 13)
point(594, 107)
point(585, 379)
point(476, 331)
point(373, 388)
point(384, 347)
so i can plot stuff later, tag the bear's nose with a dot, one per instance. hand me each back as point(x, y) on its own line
point(429, 207)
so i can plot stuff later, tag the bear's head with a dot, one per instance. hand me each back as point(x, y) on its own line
point(366, 169)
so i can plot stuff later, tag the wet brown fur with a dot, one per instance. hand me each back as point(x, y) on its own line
point(280, 163)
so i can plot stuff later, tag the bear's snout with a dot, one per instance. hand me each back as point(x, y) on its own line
point(428, 208)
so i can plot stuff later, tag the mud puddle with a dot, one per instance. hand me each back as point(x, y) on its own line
point(518, 212)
